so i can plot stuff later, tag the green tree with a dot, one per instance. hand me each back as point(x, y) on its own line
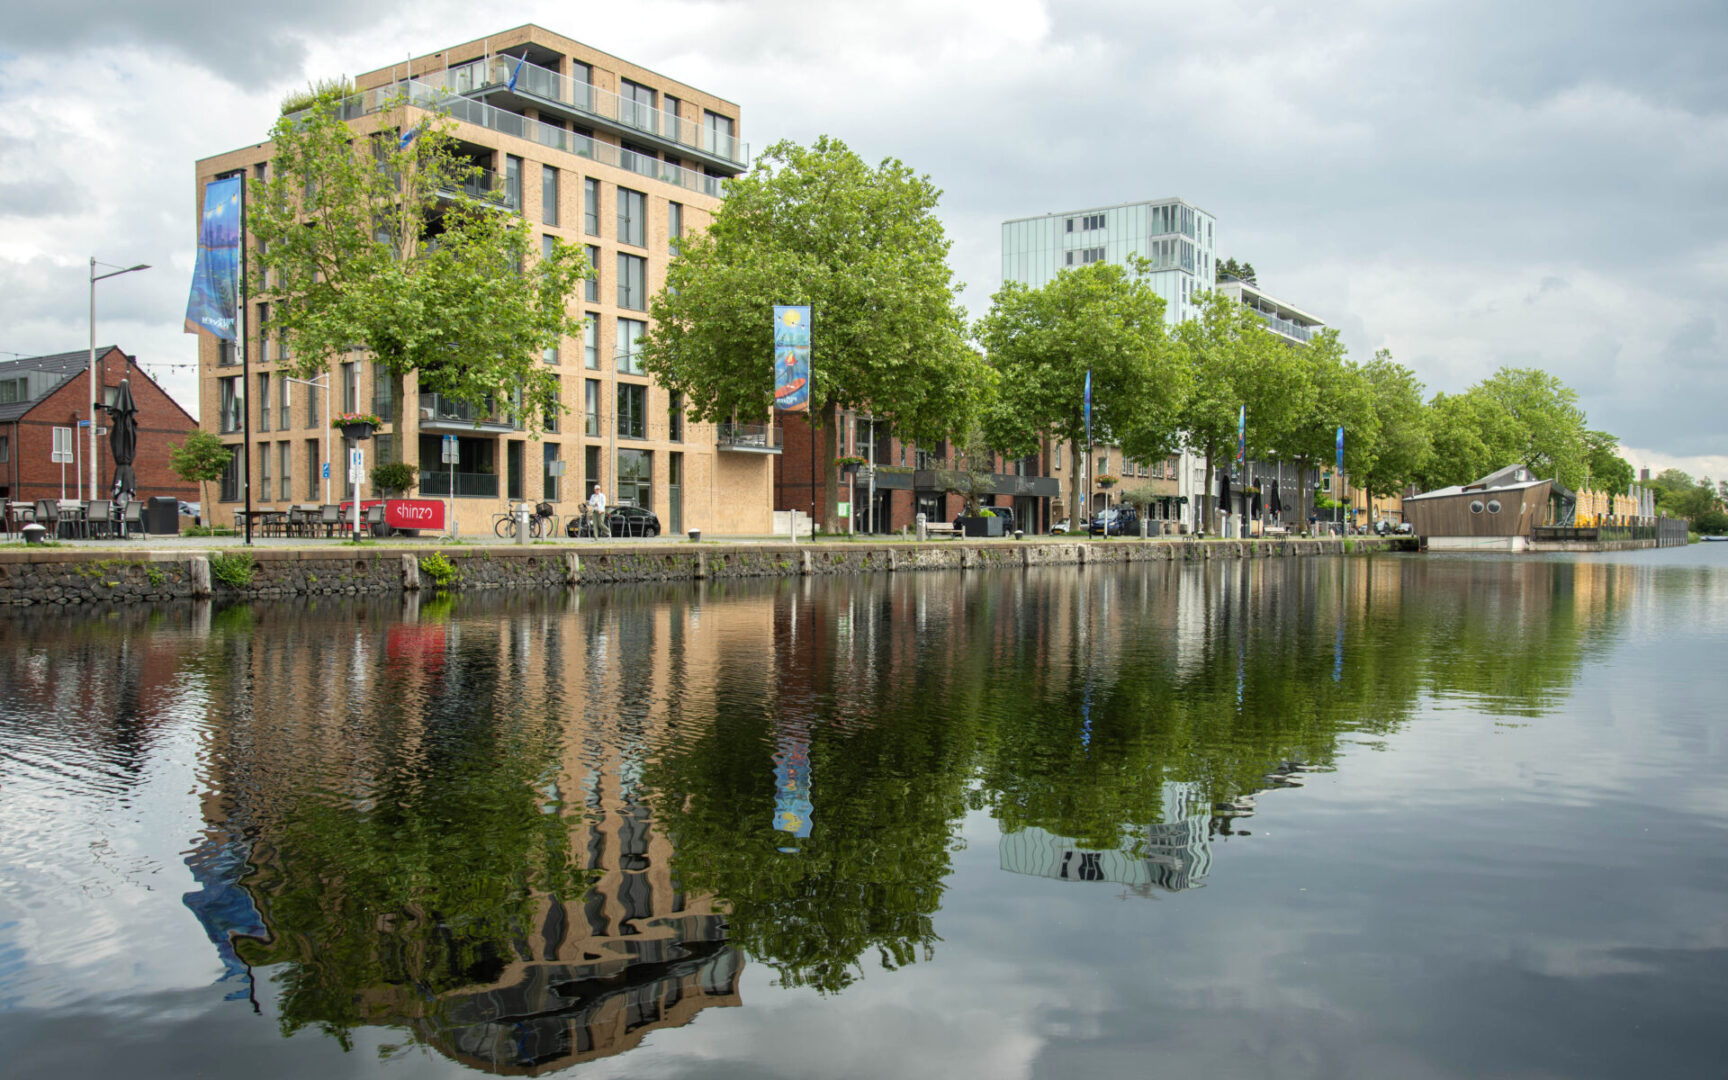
point(1472, 436)
point(1608, 470)
point(1342, 397)
point(200, 460)
point(817, 225)
point(1402, 420)
point(1549, 424)
point(1102, 319)
point(1236, 364)
point(1242, 271)
point(392, 241)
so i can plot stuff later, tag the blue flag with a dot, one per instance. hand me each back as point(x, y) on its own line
point(216, 276)
point(511, 85)
point(1088, 406)
point(1340, 450)
point(1242, 435)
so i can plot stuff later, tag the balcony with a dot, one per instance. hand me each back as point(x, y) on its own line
point(436, 483)
point(487, 186)
point(439, 413)
point(540, 87)
point(1293, 330)
point(748, 438)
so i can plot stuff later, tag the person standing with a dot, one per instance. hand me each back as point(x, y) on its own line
point(597, 511)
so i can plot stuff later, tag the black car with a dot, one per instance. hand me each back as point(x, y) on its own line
point(620, 521)
point(1116, 521)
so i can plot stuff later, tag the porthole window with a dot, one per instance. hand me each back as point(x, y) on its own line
point(1475, 506)
point(1493, 506)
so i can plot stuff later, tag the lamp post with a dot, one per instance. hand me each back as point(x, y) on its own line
point(323, 383)
point(94, 403)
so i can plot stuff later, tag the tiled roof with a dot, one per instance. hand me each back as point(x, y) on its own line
point(65, 365)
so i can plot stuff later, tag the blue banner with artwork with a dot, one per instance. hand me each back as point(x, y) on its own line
point(216, 276)
point(1340, 450)
point(1242, 435)
point(792, 357)
point(792, 805)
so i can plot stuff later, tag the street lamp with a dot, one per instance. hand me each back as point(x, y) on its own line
point(94, 402)
point(323, 383)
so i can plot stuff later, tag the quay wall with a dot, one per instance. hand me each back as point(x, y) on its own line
point(70, 577)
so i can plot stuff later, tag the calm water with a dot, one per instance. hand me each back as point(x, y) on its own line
point(1387, 817)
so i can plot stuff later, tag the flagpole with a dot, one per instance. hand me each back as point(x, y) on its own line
point(245, 369)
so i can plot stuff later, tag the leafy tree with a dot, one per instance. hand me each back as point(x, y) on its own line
point(817, 225)
point(1678, 495)
point(387, 242)
point(1549, 423)
point(1472, 436)
point(1103, 319)
point(1243, 271)
point(1342, 397)
point(1237, 363)
point(1608, 470)
point(201, 460)
point(1402, 420)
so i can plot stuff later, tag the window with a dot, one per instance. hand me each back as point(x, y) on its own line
point(591, 291)
point(717, 133)
point(669, 117)
point(632, 411)
point(261, 171)
point(674, 226)
point(549, 480)
point(383, 399)
point(264, 405)
point(350, 388)
point(1056, 456)
point(629, 358)
point(635, 473)
point(591, 407)
point(264, 332)
point(636, 104)
point(1070, 260)
point(313, 393)
point(632, 282)
point(1070, 225)
point(284, 415)
point(285, 455)
point(548, 195)
point(230, 487)
point(553, 410)
point(264, 471)
point(513, 181)
point(313, 459)
point(632, 218)
point(232, 401)
point(580, 76)
point(675, 418)
point(591, 206)
point(1475, 506)
point(5, 448)
point(591, 342)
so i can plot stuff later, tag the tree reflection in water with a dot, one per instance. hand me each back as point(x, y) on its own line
point(529, 831)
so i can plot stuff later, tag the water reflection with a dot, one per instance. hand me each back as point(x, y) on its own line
point(529, 831)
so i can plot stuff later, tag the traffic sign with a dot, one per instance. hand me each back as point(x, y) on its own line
point(357, 465)
point(451, 451)
point(326, 468)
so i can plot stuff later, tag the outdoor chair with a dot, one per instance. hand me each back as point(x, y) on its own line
point(330, 518)
point(48, 516)
point(99, 517)
point(296, 521)
point(374, 518)
point(132, 518)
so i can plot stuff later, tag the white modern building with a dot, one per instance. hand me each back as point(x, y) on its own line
point(1285, 320)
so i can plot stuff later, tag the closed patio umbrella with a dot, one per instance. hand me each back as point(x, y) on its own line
point(1224, 492)
point(123, 440)
point(1277, 503)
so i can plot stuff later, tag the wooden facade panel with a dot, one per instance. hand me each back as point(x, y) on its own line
point(1450, 515)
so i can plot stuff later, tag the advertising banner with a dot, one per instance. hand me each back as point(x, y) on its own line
point(1242, 435)
point(1340, 451)
point(792, 357)
point(216, 275)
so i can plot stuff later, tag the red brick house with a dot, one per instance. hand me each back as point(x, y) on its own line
point(41, 393)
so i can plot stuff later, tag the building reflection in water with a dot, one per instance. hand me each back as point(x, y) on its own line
point(1172, 855)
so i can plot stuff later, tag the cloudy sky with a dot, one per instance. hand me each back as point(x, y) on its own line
point(1469, 184)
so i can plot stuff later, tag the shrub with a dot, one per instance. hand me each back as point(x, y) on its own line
point(395, 476)
point(233, 569)
point(440, 569)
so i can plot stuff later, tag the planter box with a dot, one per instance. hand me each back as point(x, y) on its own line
point(982, 526)
point(356, 432)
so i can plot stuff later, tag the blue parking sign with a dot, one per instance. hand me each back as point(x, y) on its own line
point(326, 475)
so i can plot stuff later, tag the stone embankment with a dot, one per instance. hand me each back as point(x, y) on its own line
point(73, 577)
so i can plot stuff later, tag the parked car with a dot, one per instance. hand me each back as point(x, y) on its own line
point(620, 521)
point(1116, 521)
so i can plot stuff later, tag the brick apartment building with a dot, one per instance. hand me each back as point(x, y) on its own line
point(41, 393)
point(593, 150)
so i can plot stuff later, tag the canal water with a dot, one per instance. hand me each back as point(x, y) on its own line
point(1381, 816)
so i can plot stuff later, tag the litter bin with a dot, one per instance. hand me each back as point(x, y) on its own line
point(162, 516)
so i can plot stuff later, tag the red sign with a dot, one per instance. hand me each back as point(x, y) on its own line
point(402, 513)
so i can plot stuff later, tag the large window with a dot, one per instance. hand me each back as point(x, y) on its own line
point(553, 411)
point(675, 417)
point(717, 135)
point(632, 411)
point(350, 387)
point(264, 405)
point(5, 448)
point(229, 491)
point(549, 483)
point(674, 226)
point(231, 403)
point(629, 358)
point(313, 458)
point(635, 477)
point(548, 195)
point(513, 181)
point(285, 455)
point(314, 394)
point(636, 104)
point(383, 400)
point(264, 471)
point(591, 288)
point(591, 342)
point(632, 282)
point(632, 218)
point(284, 411)
point(669, 117)
point(591, 206)
point(591, 406)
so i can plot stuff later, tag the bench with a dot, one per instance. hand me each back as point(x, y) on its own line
point(941, 528)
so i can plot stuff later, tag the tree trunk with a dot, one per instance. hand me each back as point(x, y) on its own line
point(398, 413)
point(830, 482)
point(1302, 492)
point(1076, 511)
point(1207, 498)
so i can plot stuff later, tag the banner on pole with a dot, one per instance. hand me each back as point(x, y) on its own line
point(216, 275)
point(1088, 406)
point(1340, 450)
point(1242, 435)
point(792, 357)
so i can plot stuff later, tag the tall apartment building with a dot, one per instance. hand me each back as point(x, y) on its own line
point(1287, 321)
point(595, 151)
point(1179, 241)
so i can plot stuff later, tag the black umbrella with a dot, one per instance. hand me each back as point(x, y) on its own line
point(1224, 492)
point(123, 440)
point(1277, 503)
point(1254, 508)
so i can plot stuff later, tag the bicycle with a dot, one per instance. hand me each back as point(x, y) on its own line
point(588, 524)
point(542, 523)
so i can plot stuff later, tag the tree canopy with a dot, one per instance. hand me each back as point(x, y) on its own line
point(862, 245)
point(1518, 416)
point(1404, 440)
point(394, 243)
point(1101, 320)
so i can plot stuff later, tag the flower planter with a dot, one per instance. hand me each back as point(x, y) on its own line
point(356, 432)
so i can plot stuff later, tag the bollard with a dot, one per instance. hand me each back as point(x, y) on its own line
point(923, 531)
point(199, 565)
point(35, 534)
point(695, 536)
point(410, 573)
point(572, 568)
point(521, 512)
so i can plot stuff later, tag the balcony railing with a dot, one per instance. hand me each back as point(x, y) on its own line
point(468, 485)
point(438, 411)
point(547, 85)
point(488, 186)
point(755, 438)
point(1285, 326)
point(425, 95)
